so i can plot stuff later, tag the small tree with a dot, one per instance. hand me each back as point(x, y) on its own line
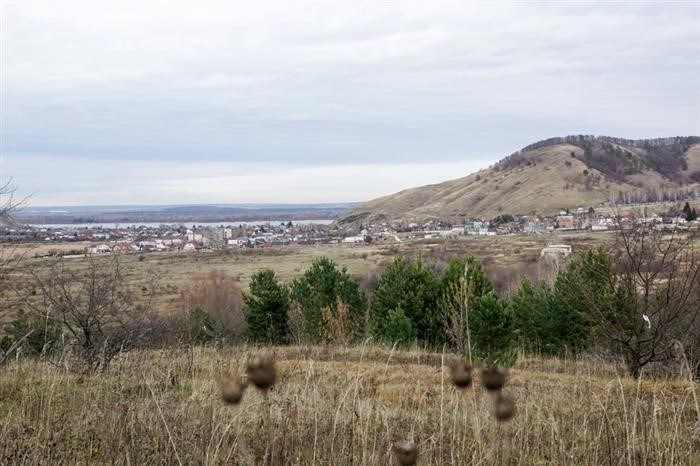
point(318, 293)
point(414, 289)
point(546, 322)
point(492, 329)
point(398, 328)
point(10, 260)
point(95, 307)
point(267, 309)
point(646, 294)
point(527, 306)
point(463, 282)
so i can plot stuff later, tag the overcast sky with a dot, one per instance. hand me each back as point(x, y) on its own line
point(122, 102)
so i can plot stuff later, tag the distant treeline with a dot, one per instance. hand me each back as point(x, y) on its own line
point(618, 158)
point(580, 139)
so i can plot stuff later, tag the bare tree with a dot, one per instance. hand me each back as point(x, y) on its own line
point(95, 307)
point(643, 297)
point(10, 257)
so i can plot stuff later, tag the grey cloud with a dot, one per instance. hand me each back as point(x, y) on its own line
point(325, 84)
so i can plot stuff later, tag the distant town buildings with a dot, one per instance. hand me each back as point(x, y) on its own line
point(193, 238)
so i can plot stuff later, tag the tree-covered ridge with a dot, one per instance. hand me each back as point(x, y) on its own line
point(617, 158)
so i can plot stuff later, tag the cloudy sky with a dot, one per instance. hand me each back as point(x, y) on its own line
point(122, 102)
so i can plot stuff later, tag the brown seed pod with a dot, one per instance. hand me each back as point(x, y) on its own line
point(493, 378)
point(261, 372)
point(232, 389)
point(461, 374)
point(504, 408)
point(406, 453)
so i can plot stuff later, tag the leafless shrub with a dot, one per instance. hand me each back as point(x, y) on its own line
point(95, 308)
point(646, 297)
point(10, 255)
point(220, 296)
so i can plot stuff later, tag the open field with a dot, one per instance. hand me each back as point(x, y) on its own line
point(339, 406)
point(176, 270)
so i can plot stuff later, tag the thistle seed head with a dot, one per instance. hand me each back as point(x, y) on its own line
point(504, 408)
point(461, 374)
point(493, 378)
point(261, 372)
point(232, 389)
point(406, 453)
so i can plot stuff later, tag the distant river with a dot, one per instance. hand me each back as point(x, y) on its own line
point(187, 224)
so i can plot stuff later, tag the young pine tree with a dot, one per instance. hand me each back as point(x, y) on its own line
point(414, 289)
point(318, 294)
point(266, 309)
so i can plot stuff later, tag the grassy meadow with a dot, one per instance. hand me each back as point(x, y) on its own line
point(506, 260)
point(339, 406)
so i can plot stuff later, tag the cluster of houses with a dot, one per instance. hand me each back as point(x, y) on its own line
point(163, 238)
point(579, 220)
point(181, 238)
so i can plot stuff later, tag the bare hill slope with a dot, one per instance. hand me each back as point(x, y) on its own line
point(575, 171)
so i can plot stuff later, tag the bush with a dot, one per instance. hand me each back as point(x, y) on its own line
point(413, 288)
point(398, 329)
point(203, 328)
point(320, 291)
point(31, 335)
point(217, 296)
point(267, 309)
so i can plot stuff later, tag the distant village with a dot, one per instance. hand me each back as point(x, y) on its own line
point(193, 238)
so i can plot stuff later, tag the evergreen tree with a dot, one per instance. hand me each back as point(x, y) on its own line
point(474, 275)
point(413, 288)
point(266, 308)
point(587, 278)
point(322, 287)
point(398, 329)
point(462, 283)
point(493, 330)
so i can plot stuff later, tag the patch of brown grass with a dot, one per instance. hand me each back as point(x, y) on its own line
point(339, 406)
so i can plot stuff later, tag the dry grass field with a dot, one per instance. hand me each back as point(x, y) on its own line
point(506, 258)
point(340, 406)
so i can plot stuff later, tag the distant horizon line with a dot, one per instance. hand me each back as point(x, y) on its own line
point(196, 204)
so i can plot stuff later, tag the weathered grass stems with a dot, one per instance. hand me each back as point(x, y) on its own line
point(339, 406)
